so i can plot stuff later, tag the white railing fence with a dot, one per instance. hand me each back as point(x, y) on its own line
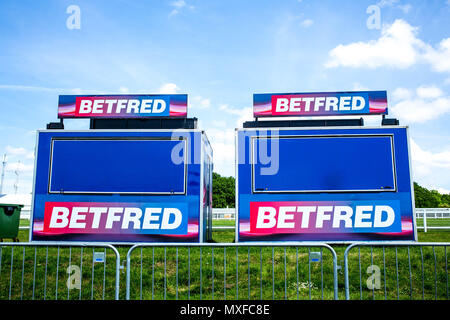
point(223, 213)
point(440, 218)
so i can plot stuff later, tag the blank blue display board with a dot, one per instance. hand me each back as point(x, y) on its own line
point(145, 166)
point(343, 163)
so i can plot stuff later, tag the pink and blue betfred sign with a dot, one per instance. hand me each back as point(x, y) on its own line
point(122, 106)
point(320, 104)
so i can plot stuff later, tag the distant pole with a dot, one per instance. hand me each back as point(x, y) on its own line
point(3, 173)
point(16, 184)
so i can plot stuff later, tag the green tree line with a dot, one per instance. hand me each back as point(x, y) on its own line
point(425, 198)
point(224, 191)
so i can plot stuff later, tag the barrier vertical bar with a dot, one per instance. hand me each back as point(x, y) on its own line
point(153, 272)
point(446, 272)
point(285, 275)
point(176, 274)
point(34, 272)
point(237, 275)
point(435, 275)
point(296, 267)
point(57, 270)
point(371, 263)
point(423, 275)
point(248, 271)
point(45, 276)
point(23, 267)
point(384, 272)
point(309, 273)
point(92, 276)
point(10, 272)
point(260, 273)
point(224, 273)
point(410, 275)
point(165, 272)
point(70, 260)
point(189, 273)
point(360, 280)
point(140, 279)
point(273, 274)
point(81, 272)
point(321, 270)
point(104, 275)
point(396, 271)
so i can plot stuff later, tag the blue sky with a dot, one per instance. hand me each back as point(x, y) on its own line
point(220, 53)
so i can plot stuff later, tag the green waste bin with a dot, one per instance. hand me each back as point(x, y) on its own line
point(9, 220)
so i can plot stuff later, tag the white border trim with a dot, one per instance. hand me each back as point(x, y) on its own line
point(201, 208)
point(50, 191)
point(236, 186)
point(412, 186)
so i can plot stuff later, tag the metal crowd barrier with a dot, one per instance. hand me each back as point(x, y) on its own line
point(231, 270)
point(298, 270)
point(397, 270)
point(58, 271)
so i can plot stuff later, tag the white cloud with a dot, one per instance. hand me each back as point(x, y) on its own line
point(428, 103)
point(394, 3)
point(24, 186)
point(439, 58)
point(244, 114)
point(169, 88)
point(384, 3)
point(405, 8)
point(14, 87)
point(430, 92)
point(179, 5)
point(441, 190)
point(430, 169)
point(124, 90)
point(198, 102)
point(359, 87)
point(19, 151)
point(306, 23)
point(401, 94)
point(219, 123)
point(397, 47)
point(18, 166)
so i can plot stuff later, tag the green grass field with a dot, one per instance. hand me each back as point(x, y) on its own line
point(171, 273)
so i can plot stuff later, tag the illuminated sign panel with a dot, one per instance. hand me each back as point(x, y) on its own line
point(122, 106)
point(320, 104)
